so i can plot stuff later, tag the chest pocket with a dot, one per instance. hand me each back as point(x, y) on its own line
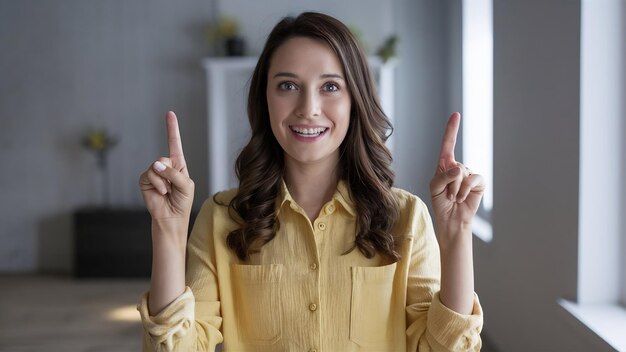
point(256, 291)
point(370, 310)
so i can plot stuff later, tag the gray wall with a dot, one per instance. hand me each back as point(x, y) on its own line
point(421, 88)
point(67, 65)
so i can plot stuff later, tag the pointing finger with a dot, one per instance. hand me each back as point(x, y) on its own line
point(449, 139)
point(173, 139)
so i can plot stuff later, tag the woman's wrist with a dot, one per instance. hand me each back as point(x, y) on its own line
point(171, 232)
point(451, 236)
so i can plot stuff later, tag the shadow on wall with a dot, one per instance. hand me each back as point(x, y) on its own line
point(55, 246)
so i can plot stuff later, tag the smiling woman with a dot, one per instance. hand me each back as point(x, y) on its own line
point(315, 250)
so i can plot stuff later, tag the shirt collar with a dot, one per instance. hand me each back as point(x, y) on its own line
point(341, 195)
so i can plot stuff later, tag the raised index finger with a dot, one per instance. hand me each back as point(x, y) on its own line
point(173, 138)
point(449, 138)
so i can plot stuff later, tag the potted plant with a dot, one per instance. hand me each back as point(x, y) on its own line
point(99, 141)
point(388, 49)
point(227, 31)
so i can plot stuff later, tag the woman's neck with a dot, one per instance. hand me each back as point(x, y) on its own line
point(311, 185)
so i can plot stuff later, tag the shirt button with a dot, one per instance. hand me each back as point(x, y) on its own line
point(312, 307)
point(330, 208)
point(312, 350)
point(321, 226)
point(313, 266)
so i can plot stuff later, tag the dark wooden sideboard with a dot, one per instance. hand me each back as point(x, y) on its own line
point(113, 242)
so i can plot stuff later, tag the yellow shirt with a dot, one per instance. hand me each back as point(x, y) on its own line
point(300, 294)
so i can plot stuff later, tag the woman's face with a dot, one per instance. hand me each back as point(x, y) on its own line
point(308, 100)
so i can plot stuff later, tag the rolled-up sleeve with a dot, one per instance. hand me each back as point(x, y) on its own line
point(170, 325)
point(456, 332)
point(193, 320)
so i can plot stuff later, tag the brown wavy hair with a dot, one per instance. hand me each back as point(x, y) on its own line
point(365, 161)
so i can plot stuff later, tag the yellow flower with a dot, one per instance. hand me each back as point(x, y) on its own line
point(98, 140)
point(226, 27)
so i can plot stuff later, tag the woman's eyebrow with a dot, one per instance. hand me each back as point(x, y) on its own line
point(331, 75)
point(286, 74)
point(293, 75)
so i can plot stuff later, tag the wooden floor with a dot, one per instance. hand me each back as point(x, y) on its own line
point(58, 313)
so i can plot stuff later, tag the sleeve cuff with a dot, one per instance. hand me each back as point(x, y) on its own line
point(457, 332)
point(171, 323)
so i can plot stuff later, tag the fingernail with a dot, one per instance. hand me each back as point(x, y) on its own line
point(455, 171)
point(158, 166)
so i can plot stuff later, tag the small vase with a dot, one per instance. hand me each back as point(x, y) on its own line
point(104, 177)
point(235, 46)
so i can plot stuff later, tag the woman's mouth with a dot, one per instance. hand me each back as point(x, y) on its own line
point(308, 132)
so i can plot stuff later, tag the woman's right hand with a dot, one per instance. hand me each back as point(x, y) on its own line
point(168, 193)
point(166, 187)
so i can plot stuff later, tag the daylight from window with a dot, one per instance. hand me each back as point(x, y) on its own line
point(478, 101)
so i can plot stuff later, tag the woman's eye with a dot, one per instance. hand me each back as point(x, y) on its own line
point(287, 86)
point(331, 87)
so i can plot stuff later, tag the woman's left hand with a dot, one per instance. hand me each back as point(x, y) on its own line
point(455, 191)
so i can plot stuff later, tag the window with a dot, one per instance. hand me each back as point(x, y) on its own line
point(601, 301)
point(601, 139)
point(478, 102)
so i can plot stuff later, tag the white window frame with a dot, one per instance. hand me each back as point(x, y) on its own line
point(477, 114)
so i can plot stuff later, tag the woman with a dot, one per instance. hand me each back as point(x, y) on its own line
point(315, 251)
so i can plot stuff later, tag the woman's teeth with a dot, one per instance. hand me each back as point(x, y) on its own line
point(309, 132)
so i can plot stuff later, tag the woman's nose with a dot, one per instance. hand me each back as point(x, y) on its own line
point(309, 106)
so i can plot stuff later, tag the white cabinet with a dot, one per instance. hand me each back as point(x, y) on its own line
point(228, 82)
